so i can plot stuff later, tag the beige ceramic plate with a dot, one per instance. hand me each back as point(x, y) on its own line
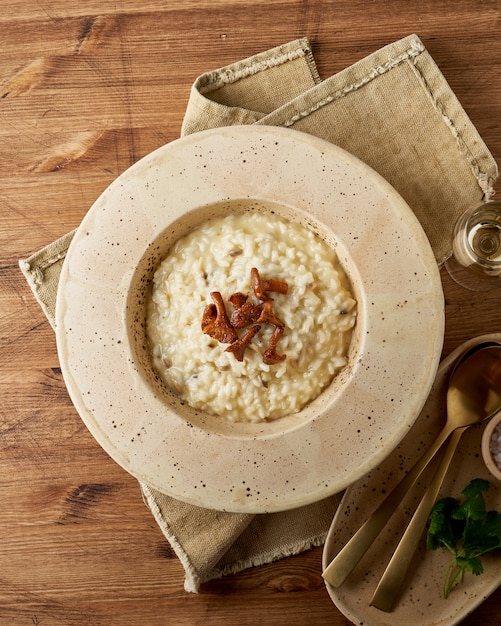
point(353, 424)
point(421, 601)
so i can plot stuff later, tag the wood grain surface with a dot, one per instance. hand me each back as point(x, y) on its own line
point(86, 89)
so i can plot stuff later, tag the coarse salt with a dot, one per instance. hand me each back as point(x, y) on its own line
point(495, 445)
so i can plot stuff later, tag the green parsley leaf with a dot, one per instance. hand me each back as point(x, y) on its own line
point(443, 529)
point(473, 506)
point(466, 529)
point(471, 564)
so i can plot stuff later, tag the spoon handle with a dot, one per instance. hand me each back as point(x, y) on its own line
point(387, 591)
point(348, 557)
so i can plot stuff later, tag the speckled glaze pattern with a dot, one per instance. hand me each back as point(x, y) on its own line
point(207, 461)
point(420, 601)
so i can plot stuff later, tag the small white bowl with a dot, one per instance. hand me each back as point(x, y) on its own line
point(494, 426)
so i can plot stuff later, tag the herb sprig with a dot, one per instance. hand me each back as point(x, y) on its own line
point(466, 529)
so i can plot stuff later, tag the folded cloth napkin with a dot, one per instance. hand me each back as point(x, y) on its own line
point(395, 111)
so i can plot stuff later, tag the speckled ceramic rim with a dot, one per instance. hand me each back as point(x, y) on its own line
point(353, 424)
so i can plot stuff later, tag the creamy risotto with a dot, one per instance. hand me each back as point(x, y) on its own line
point(215, 262)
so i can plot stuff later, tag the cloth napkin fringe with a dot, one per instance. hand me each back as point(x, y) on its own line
point(261, 559)
point(415, 49)
point(192, 579)
point(217, 79)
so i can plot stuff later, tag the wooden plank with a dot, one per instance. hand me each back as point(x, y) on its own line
point(86, 89)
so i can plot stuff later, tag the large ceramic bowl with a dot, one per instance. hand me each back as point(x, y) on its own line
point(209, 461)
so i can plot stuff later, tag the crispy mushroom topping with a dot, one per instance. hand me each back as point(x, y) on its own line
point(245, 314)
point(215, 322)
point(238, 299)
point(268, 316)
point(238, 347)
point(261, 285)
point(270, 355)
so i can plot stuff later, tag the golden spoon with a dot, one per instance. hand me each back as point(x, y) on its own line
point(348, 557)
point(475, 393)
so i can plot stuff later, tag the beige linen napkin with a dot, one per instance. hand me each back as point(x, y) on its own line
point(395, 111)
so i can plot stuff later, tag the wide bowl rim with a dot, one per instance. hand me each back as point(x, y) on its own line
point(287, 449)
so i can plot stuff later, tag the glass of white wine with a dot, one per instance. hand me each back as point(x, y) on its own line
point(476, 248)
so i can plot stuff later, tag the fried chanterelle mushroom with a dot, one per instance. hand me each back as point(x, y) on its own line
point(215, 322)
point(246, 315)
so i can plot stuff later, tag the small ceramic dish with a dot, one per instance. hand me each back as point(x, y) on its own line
point(491, 446)
point(212, 462)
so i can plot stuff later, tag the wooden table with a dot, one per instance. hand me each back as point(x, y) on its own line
point(87, 88)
